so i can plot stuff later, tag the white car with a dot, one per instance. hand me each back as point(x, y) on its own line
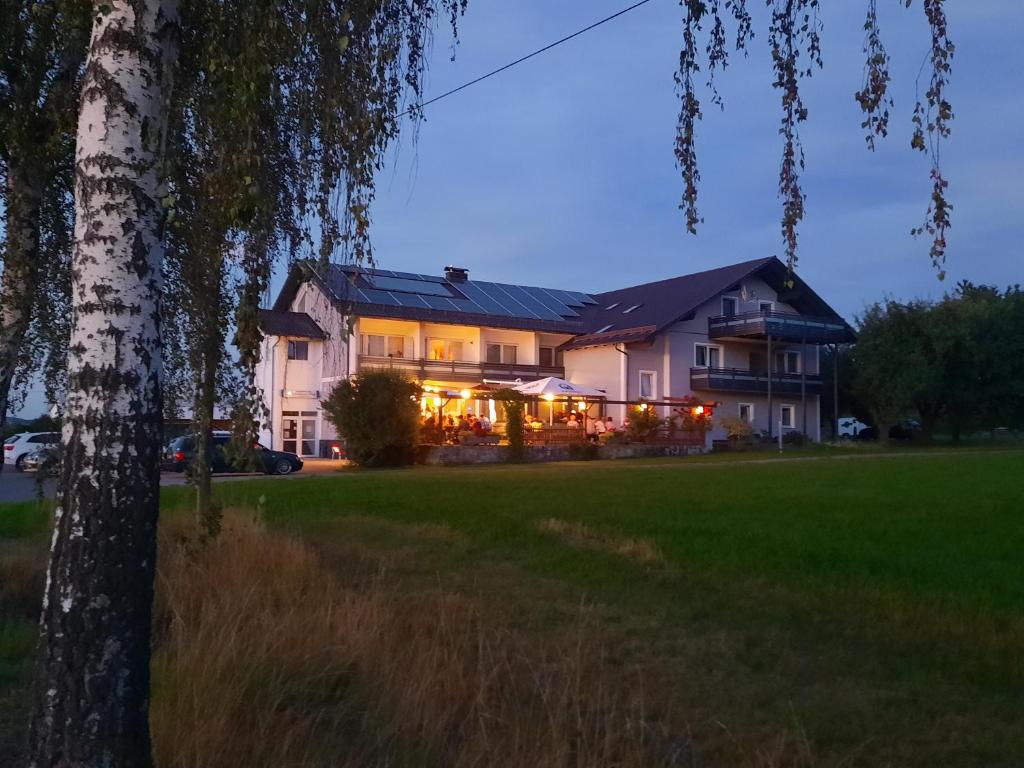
point(17, 447)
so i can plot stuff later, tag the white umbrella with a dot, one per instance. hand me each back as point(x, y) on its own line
point(552, 385)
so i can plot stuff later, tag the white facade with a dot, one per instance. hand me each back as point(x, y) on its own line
point(673, 361)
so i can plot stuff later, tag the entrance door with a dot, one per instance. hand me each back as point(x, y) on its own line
point(289, 431)
point(308, 437)
point(298, 432)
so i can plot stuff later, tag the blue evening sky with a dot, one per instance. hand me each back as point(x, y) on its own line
point(560, 171)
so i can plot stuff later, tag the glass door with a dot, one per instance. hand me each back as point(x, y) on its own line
point(308, 437)
point(289, 431)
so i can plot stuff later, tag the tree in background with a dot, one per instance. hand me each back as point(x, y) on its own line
point(377, 414)
point(959, 361)
point(888, 363)
point(42, 59)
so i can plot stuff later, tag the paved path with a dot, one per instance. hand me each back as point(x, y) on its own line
point(21, 486)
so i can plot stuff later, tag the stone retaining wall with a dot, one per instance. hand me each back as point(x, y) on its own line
point(498, 454)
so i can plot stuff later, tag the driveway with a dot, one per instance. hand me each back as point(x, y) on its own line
point(22, 486)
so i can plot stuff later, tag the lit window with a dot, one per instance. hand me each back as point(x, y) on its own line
point(298, 350)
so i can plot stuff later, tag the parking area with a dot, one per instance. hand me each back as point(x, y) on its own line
point(22, 486)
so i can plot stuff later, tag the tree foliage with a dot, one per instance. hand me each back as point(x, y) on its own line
point(377, 414)
point(958, 361)
point(513, 403)
point(795, 40)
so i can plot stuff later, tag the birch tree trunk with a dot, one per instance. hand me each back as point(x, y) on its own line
point(21, 270)
point(90, 705)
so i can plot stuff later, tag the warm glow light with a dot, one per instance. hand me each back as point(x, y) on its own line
point(437, 402)
point(643, 406)
point(698, 410)
point(465, 394)
point(549, 397)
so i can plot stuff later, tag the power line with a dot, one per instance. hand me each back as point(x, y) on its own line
point(527, 56)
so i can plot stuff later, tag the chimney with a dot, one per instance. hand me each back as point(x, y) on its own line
point(456, 274)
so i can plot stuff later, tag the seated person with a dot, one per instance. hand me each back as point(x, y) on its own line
point(573, 423)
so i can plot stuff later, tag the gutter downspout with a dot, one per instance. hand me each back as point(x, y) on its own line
point(623, 379)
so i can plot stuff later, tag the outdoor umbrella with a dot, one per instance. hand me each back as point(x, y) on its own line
point(553, 386)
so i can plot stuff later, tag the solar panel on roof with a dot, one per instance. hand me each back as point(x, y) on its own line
point(407, 285)
point(532, 304)
point(487, 304)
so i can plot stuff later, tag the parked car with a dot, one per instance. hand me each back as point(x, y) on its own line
point(18, 447)
point(905, 430)
point(45, 459)
point(180, 451)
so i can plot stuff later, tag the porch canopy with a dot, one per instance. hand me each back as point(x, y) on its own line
point(552, 385)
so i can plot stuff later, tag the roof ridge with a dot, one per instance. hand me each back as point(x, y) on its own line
point(749, 263)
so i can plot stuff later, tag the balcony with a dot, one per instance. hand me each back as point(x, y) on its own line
point(756, 382)
point(781, 326)
point(458, 370)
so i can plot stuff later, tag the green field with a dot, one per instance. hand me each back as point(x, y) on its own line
point(842, 611)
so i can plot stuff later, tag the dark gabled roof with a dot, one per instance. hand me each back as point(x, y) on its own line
point(403, 295)
point(640, 312)
point(628, 315)
point(277, 322)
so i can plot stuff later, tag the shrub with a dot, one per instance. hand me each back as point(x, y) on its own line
point(736, 428)
point(642, 422)
point(512, 401)
point(378, 416)
point(794, 438)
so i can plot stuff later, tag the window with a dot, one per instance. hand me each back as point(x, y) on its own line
point(445, 349)
point(787, 361)
point(707, 356)
point(603, 329)
point(788, 416)
point(613, 306)
point(298, 350)
point(730, 305)
point(501, 353)
point(765, 306)
point(635, 306)
point(747, 412)
point(376, 345)
point(550, 356)
point(648, 384)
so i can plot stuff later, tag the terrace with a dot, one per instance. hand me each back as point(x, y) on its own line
point(703, 378)
point(780, 326)
point(461, 370)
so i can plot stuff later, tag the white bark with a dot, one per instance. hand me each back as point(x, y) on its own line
point(92, 694)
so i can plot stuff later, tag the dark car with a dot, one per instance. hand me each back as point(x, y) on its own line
point(179, 453)
point(905, 430)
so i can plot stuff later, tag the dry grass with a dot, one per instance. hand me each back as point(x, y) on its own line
point(643, 551)
point(266, 657)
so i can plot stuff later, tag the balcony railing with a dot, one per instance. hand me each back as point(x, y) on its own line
point(740, 380)
point(784, 326)
point(459, 370)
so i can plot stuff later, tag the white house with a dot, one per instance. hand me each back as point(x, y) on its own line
point(737, 335)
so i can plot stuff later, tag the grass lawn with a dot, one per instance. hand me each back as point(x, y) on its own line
point(827, 612)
